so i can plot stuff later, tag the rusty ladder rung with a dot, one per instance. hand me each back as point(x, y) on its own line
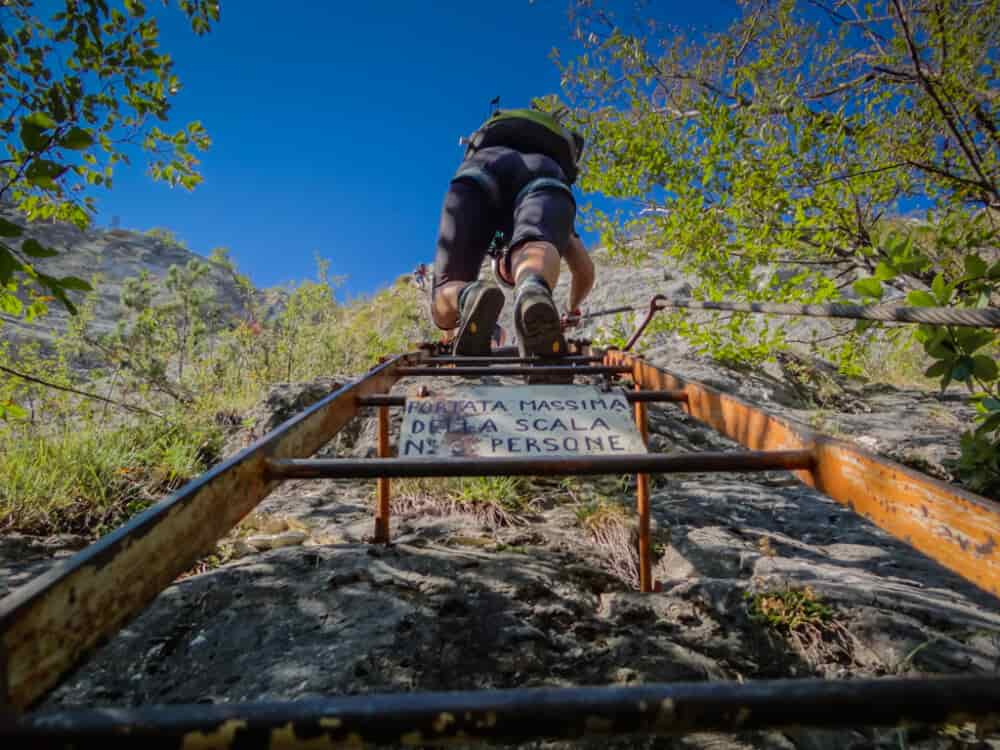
point(519, 714)
point(540, 370)
point(630, 463)
point(579, 359)
point(675, 396)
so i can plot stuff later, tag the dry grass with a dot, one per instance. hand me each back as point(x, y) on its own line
point(897, 359)
point(613, 529)
point(494, 501)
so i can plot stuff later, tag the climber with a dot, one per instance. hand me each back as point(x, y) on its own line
point(420, 275)
point(514, 183)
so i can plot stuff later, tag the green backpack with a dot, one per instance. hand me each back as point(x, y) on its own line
point(531, 132)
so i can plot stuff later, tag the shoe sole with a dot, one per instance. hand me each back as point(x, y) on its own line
point(475, 336)
point(540, 333)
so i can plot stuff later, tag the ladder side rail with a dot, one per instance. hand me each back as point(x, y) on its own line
point(52, 623)
point(956, 528)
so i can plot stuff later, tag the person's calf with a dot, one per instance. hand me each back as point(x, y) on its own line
point(535, 258)
point(444, 304)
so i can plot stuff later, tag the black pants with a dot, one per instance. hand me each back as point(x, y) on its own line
point(493, 192)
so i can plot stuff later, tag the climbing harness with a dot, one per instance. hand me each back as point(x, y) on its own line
point(497, 251)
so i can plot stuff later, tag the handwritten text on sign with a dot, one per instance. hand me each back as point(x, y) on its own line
point(540, 420)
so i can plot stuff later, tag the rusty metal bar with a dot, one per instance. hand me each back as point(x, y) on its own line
point(958, 529)
point(638, 396)
point(642, 503)
point(571, 358)
point(382, 484)
point(641, 328)
point(50, 624)
point(382, 399)
point(518, 715)
point(625, 463)
point(633, 396)
point(541, 370)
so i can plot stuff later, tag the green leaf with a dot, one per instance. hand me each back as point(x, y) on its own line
point(42, 173)
point(975, 267)
point(8, 409)
point(919, 298)
point(39, 120)
point(991, 404)
point(8, 264)
point(35, 249)
point(75, 284)
point(60, 295)
point(940, 289)
point(963, 369)
point(8, 229)
point(884, 272)
point(991, 423)
point(984, 367)
point(36, 309)
point(937, 369)
point(33, 137)
point(10, 304)
point(914, 264)
point(994, 273)
point(134, 8)
point(971, 339)
point(869, 288)
point(940, 346)
point(77, 139)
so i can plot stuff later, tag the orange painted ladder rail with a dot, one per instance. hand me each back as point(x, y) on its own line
point(50, 625)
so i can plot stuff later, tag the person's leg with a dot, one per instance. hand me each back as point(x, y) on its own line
point(543, 221)
point(457, 299)
point(537, 258)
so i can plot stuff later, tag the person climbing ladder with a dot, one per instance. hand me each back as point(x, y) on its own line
point(420, 276)
point(515, 180)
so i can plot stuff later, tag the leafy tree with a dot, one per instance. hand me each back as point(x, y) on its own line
point(773, 160)
point(80, 91)
point(165, 330)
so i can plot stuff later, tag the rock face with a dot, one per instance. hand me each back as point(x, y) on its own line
point(116, 255)
point(458, 602)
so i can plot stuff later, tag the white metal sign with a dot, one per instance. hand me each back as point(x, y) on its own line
point(538, 420)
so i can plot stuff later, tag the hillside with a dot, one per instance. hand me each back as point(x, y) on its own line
point(115, 255)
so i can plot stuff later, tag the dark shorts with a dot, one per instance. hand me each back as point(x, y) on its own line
point(487, 196)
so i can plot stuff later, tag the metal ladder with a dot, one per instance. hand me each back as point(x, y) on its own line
point(51, 624)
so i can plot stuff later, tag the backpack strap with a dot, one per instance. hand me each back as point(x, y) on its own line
point(483, 179)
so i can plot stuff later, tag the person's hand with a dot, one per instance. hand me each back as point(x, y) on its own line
point(570, 319)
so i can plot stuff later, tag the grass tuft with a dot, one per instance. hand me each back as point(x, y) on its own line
point(496, 501)
point(89, 481)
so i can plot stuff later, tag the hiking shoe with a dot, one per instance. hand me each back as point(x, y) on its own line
point(479, 307)
point(539, 333)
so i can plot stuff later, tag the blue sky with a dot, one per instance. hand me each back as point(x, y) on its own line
point(335, 125)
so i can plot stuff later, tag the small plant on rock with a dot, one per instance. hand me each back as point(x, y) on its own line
point(612, 528)
point(802, 618)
